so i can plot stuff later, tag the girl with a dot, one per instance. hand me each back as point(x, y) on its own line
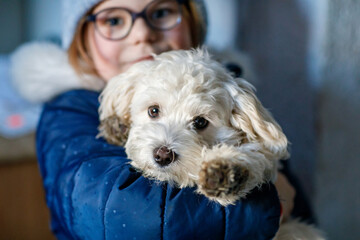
point(91, 191)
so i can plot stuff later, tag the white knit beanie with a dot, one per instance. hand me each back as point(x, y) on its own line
point(74, 10)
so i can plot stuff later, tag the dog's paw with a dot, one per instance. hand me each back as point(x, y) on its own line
point(222, 180)
point(114, 130)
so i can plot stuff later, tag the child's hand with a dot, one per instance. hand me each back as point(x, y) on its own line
point(286, 194)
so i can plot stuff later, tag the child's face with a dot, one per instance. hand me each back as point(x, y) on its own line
point(114, 57)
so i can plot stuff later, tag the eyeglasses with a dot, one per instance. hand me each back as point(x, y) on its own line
point(116, 23)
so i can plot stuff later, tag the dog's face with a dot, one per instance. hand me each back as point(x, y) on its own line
point(170, 109)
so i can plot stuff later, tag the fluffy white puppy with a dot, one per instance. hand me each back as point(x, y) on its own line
point(184, 119)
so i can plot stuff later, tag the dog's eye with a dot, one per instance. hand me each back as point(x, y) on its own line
point(153, 111)
point(200, 123)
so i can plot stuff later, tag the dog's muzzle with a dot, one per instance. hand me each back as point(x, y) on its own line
point(163, 156)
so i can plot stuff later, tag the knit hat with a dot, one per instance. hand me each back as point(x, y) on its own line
point(73, 10)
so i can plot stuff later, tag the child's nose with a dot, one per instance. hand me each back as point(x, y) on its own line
point(142, 32)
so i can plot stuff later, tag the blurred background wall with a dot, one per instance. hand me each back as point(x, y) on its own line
point(338, 167)
point(306, 58)
point(28, 20)
point(11, 20)
point(23, 212)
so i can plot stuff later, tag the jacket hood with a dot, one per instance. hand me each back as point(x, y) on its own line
point(40, 71)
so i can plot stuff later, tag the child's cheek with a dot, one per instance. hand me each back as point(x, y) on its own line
point(179, 37)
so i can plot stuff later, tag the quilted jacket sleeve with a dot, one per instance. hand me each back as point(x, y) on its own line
point(93, 193)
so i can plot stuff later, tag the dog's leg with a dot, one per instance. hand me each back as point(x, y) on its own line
point(294, 230)
point(228, 173)
point(114, 130)
point(222, 180)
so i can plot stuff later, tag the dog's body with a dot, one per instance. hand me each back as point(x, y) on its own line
point(184, 119)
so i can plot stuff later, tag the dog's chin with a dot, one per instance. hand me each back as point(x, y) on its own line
point(172, 174)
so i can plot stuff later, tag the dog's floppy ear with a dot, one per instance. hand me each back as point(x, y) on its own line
point(252, 118)
point(114, 111)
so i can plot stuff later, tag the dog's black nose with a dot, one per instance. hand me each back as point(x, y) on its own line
point(164, 156)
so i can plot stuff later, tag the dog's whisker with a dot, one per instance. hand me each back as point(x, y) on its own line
point(187, 169)
point(195, 177)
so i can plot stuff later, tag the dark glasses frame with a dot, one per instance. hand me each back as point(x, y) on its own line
point(136, 15)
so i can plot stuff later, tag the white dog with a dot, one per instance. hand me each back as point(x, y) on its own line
point(184, 119)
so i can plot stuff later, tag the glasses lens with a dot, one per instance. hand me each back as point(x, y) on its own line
point(164, 14)
point(113, 23)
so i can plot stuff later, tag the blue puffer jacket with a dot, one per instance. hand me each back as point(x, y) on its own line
point(93, 193)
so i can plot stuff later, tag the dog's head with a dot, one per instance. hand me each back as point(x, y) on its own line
point(167, 110)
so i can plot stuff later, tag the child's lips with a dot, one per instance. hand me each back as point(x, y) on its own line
point(145, 58)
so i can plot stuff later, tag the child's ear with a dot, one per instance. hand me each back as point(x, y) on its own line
point(251, 117)
point(114, 111)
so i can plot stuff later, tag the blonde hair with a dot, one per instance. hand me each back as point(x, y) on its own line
point(82, 62)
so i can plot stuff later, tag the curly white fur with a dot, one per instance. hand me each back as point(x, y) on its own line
point(240, 147)
point(186, 84)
